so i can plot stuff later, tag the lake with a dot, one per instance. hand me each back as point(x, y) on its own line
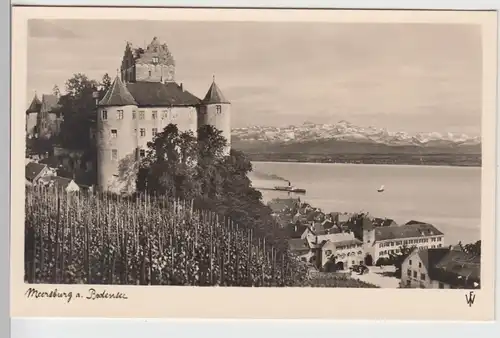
point(447, 197)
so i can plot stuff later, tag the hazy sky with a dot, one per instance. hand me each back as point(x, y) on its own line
point(409, 77)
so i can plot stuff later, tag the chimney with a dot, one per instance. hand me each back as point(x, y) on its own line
point(182, 89)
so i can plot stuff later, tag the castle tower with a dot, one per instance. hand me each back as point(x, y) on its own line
point(215, 110)
point(153, 64)
point(32, 115)
point(115, 141)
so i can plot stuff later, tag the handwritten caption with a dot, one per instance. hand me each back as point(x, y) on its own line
point(91, 294)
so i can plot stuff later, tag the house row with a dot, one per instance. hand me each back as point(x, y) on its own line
point(441, 268)
point(38, 174)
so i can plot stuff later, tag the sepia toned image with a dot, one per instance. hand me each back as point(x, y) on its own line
point(310, 155)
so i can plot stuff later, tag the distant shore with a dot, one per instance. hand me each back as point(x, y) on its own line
point(452, 160)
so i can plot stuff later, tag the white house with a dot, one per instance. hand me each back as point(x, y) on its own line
point(379, 242)
point(346, 253)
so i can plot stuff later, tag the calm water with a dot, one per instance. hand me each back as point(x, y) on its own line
point(448, 197)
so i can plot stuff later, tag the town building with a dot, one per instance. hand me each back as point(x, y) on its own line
point(441, 268)
point(344, 253)
point(66, 184)
point(379, 242)
point(141, 103)
point(35, 171)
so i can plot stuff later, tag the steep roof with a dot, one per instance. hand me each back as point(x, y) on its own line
point(49, 103)
point(33, 169)
point(298, 245)
point(62, 182)
point(457, 263)
point(35, 105)
point(117, 95)
point(157, 94)
point(430, 257)
point(214, 95)
point(406, 231)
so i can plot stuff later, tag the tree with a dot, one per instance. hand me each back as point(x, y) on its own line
point(399, 257)
point(56, 91)
point(106, 83)
point(473, 248)
point(77, 105)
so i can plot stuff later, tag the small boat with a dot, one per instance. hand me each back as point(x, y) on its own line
point(381, 189)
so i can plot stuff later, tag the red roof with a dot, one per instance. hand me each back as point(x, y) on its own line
point(214, 95)
point(117, 95)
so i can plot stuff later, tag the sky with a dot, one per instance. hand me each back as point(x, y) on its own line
point(403, 77)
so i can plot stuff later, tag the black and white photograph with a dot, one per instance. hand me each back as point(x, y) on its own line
point(257, 154)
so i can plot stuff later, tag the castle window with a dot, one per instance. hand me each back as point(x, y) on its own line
point(218, 109)
point(114, 133)
point(143, 132)
point(134, 115)
point(154, 114)
point(155, 131)
point(119, 114)
point(149, 73)
point(114, 154)
point(104, 114)
point(142, 153)
point(155, 60)
point(141, 115)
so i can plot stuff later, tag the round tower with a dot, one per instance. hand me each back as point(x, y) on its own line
point(215, 110)
point(115, 143)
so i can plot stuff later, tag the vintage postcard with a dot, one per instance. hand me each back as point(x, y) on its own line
point(253, 163)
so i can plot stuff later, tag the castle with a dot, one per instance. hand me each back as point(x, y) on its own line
point(142, 101)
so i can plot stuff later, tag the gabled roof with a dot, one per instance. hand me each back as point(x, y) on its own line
point(117, 95)
point(214, 95)
point(35, 105)
point(406, 231)
point(458, 263)
point(298, 245)
point(58, 181)
point(430, 257)
point(157, 94)
point(49, 103)
point(33, 169)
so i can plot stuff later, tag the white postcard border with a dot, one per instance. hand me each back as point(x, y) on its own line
point(269, 303)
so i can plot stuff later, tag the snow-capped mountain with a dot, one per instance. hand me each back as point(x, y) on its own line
point(348, 132)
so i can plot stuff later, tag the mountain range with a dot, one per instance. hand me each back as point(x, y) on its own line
point(345, 142)
point(346, 132)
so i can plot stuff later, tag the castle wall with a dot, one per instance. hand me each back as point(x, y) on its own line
point(116, 149)
point(48, 125)
point(210, 115)
point(117, 170)
point(31, 121)
point(157, 118)
point(154, 73)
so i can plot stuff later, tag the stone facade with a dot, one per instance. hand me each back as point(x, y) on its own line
point(155, 63)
